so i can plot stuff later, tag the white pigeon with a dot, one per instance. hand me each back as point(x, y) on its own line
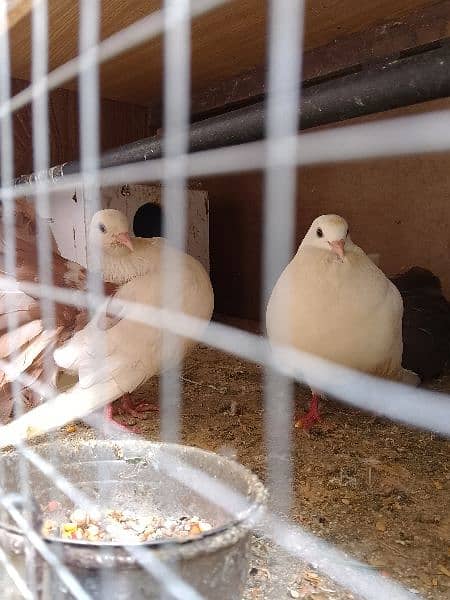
point(133, 350)
point(122, 257)
point(332, 301)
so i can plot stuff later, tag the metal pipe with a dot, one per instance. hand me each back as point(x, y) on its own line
point(393, 84)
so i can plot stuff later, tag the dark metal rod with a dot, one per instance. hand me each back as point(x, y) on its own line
point(402, 82)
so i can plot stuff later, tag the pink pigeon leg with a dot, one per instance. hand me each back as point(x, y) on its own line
point(312, 416)
point(108, 415)
point(135, 409)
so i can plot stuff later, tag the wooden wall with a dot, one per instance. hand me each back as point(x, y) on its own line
point(398, 207)
point(120, 123)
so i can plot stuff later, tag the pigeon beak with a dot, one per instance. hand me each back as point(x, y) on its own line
point(338, 248)
point(124, 239)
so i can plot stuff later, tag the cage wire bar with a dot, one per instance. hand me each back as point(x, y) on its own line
point(15, 576)
point(41, 156)
point(177, 52)
point(278, 155)
point(37, 543)
point(89, 133)
point(7, 173)
point(41, 162)
point(285, 37)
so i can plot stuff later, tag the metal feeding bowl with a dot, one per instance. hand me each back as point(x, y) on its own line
point(147, 478)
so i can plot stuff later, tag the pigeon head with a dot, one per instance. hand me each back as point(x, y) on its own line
point(109, 231)
point(328, 232)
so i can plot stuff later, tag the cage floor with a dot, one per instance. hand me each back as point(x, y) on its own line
point(377, 490)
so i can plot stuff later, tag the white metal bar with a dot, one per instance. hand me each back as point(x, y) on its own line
point(15, 576)
point(41, 162)
point(177, 51)
point(285, 43)
point(40, 546)
point(41, 156)
point(89, 131)
point(279, 218)
point(6, 177)
point(89, 126)
point(9, 236)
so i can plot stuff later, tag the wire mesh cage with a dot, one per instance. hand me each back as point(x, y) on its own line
point(100, 506)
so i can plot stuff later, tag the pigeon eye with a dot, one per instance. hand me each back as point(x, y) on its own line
point(102, 228)
point(319, 232)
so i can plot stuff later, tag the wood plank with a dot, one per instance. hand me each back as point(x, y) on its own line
point(226, 42)
point(388, 201)
point(395, 37)
point(420, 28)
point(120, 123)
point(17, 10)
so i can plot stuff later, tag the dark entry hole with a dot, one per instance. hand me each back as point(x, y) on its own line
point(147, 221)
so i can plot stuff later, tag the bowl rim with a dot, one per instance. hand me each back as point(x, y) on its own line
point(81, 552)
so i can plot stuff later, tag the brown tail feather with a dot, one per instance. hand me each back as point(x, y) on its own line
point(26, 347)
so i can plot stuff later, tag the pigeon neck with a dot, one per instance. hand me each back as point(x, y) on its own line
point(122, 268)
